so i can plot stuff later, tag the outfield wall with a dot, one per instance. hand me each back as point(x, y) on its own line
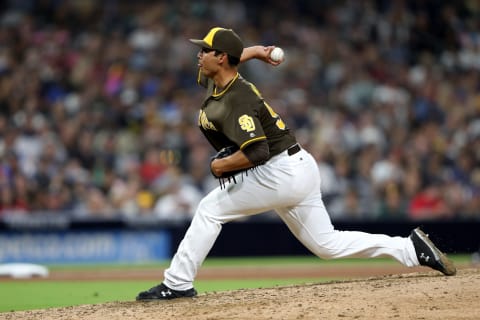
point(59, 241)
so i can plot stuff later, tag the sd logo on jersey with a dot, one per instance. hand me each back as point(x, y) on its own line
point(246, 123)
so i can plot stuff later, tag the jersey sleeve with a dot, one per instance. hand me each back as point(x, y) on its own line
point(242, 125)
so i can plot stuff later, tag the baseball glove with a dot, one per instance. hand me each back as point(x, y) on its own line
point(226, 176)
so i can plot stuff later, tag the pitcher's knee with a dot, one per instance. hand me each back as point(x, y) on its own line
point(326, 246)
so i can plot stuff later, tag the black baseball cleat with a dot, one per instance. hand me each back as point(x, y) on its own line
point(429, 255)
point(162, 292)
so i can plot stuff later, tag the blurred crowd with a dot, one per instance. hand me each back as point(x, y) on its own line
point(99, 103)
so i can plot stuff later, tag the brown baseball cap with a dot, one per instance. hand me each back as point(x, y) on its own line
point(224, 40)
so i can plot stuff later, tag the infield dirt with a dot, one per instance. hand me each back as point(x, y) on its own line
point(416, 295)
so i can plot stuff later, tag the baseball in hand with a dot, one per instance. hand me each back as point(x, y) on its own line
point(277, 54)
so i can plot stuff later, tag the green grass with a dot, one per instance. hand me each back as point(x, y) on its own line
point(29, 295)
point(22, 295)
point(16, 296)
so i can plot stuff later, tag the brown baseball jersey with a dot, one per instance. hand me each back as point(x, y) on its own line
point(239, 115)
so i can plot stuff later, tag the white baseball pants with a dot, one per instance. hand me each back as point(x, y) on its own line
point(290, 185)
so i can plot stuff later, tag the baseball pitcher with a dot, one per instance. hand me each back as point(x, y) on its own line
point(262, 167)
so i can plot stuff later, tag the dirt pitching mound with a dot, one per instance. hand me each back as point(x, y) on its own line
point(408, 296)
